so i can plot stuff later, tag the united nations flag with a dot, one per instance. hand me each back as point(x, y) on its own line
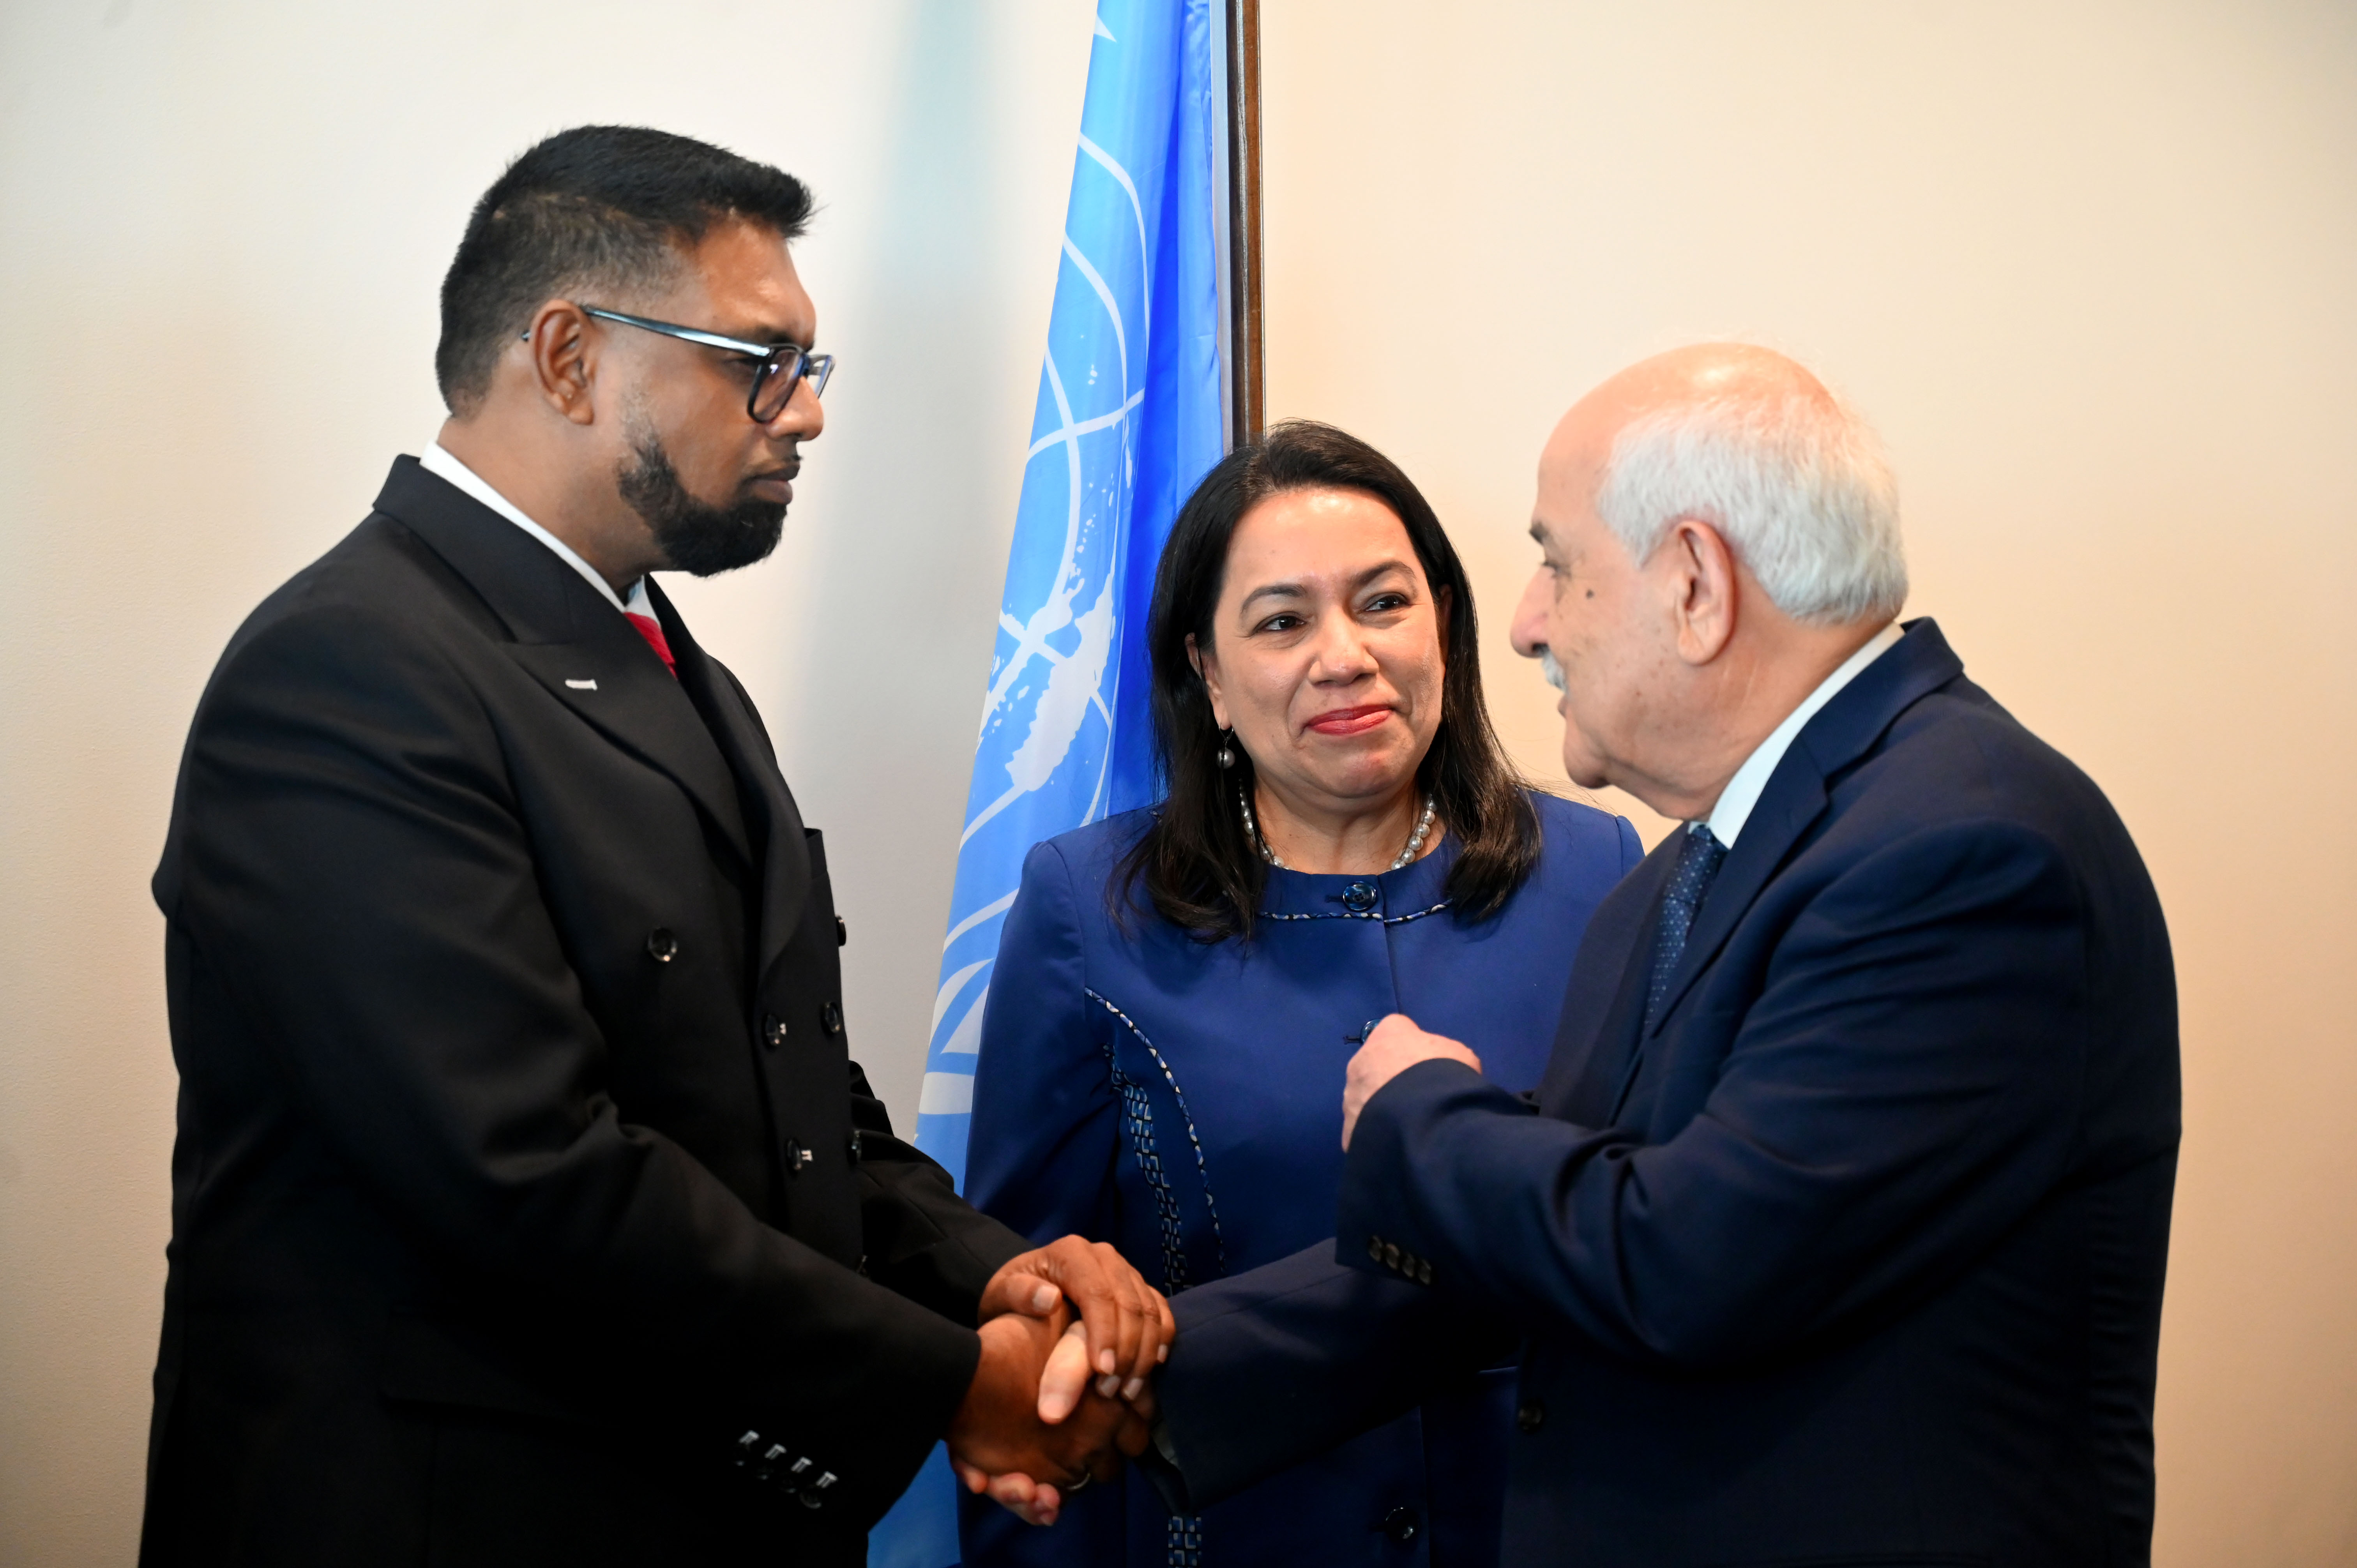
point(1131, 412)
point(1129, 416)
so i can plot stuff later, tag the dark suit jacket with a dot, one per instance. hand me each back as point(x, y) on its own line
point(1855, 1255)
point(527, 1207)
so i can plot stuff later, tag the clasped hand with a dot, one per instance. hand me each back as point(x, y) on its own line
point(1056, 1400)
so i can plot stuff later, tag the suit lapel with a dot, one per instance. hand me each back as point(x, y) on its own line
point(570, 639)
point(745, 746)
point(624, 693)
point(1604, 1003)
point(1841, 732)
point(1794, 797)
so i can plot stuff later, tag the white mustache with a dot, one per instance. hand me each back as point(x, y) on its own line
point(1551, 669)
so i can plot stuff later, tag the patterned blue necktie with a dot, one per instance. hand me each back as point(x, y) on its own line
point(1698, 861)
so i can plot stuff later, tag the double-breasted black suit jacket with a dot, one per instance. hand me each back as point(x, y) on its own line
point(527, 1205)
point(1853, 1256)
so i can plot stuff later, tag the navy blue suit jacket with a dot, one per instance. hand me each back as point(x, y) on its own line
point(1855, 1255)
point(1182, 1099)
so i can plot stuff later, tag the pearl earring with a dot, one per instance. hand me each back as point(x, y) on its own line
point(1227, 757)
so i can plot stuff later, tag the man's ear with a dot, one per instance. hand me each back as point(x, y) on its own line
point(1702, 582)
point(1207, 665)
point(564, 353)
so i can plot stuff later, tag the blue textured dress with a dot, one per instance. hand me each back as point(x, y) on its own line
point(1183, 1100)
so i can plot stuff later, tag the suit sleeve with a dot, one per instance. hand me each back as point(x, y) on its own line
point(924, 1239)
point(1039, 1154)
point(1276, 1365)
point(1042, 1144)
point(1901, 1092)
point(359, 874)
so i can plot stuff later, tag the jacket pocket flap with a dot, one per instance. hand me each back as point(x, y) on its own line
point(430, 1362)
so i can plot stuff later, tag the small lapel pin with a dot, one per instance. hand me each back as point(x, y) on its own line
point(583, 686)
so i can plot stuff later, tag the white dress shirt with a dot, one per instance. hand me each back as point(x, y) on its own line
point(438, 462)
point(1742, 792)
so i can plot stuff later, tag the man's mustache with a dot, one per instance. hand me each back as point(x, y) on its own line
point(1551, 669)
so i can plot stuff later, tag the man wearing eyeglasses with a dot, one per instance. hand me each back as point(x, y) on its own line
point(527, 1205)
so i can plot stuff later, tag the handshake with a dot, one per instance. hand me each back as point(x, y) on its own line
point(1057, 1399)
point(1056, 1403)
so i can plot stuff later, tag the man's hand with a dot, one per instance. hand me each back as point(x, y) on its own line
point(1392, 1046)
point(997, 1440)
point(1064, 1381)
point(1127, 1324)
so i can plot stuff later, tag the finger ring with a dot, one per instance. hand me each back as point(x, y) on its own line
point(1076, 1486)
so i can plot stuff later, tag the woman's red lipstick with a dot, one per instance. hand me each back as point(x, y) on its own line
point(1349, 720)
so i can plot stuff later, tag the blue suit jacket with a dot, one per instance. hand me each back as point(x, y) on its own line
point(1855, 1255)
point(1182, 1100)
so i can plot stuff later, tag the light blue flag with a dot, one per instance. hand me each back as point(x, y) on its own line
point(1131, 412)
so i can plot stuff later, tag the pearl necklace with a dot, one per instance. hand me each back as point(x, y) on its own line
point(1406, 856)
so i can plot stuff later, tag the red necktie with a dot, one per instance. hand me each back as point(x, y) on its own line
point(652, 629)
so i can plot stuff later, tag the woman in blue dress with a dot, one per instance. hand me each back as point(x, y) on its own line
point(1177, 990)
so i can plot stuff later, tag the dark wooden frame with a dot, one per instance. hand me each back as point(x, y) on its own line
point(1247, 408)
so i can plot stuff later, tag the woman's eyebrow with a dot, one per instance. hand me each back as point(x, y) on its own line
point(1275, 590)
point(1297, 591)
point(1381, 569)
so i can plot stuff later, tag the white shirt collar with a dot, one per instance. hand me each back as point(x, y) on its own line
point(1742, 792)
point(438, 462)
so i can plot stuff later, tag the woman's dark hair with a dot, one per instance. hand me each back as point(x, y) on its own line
point(609, 209)
point(1198, 865)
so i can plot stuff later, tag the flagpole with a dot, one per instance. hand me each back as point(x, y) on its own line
point(1247, 410)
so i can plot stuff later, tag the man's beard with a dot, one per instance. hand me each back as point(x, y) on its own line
point(694, 538)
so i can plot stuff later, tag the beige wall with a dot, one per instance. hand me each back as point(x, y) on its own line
point(2093, 269)
point(2087, 266)
point(221, 228)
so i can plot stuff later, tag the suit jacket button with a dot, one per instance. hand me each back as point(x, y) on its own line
point(1391, 1255)
point(832, 1016)
point(1400, 1525)
point(1360, 897)
point(1531, 1415)
point(1375, 1248)
point(662, 946)
point(1423, 1271)
point(797, 1158)
point(773, 1031)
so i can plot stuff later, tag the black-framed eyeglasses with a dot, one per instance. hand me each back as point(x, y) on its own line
point(778, 367)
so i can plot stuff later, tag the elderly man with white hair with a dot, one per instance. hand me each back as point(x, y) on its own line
point(1836, 1231)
